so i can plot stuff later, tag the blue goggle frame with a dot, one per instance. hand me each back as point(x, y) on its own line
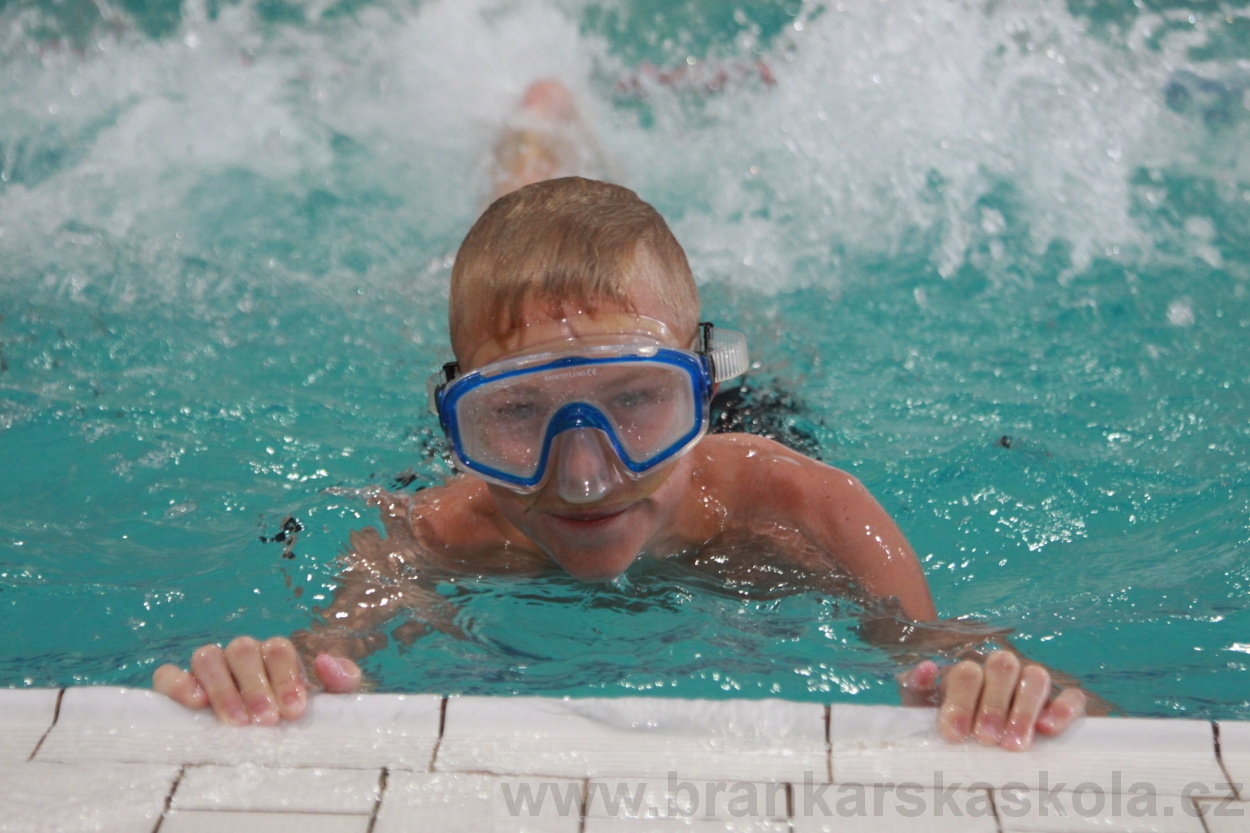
point(696, 367)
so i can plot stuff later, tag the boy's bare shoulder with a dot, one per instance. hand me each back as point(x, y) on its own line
point(763, 484)
point(467, 532)
point(756, 479)
point(458, 512)
point(760, 471)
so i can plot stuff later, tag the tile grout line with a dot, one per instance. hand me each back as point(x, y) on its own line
point(442, 725)
point(56, 715)
point(1202, 817)
point(255, 811)
point(169, 798)
point(585, 808)
point(383, 779)
point(829, 741)
point(998, 822)
point(1219, 759)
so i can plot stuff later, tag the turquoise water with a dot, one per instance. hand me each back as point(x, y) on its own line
point(995, 257)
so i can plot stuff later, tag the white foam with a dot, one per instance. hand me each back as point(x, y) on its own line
point(875, 102)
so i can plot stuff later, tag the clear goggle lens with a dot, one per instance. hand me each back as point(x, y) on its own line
point(650, 402)
point(648, 409)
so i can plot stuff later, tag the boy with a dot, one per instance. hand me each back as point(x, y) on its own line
point(577, 406)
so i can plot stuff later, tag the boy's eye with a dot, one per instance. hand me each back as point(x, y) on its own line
point(514, 412)
point(638, 397)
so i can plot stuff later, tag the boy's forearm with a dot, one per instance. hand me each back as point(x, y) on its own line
point(353, 624)
point(319, 639)
point(964, 638)
point(885, 625)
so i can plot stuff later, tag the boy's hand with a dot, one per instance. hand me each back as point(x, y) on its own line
point(253, 682)
point(1000, 704)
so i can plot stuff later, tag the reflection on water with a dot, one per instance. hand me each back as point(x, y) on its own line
point(225, 234)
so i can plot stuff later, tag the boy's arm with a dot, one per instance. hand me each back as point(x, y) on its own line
point(250, 681)
point(377, 585)
point(1000, 699)
point(266, 682)
point(861, 540)
point(253, 682)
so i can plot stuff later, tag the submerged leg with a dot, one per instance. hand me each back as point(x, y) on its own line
point(545, 138)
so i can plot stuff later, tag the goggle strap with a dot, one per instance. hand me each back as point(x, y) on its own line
point(439, 380)
point(726, 351)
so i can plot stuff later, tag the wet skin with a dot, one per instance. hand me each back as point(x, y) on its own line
point(727, 481)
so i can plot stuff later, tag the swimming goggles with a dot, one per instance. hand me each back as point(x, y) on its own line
point(651, 402)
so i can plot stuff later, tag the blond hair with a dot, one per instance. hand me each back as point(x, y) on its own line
point(568, 242)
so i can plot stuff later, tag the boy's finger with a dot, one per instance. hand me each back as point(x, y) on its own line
point(959, 701)
point(179, 686)
point(208, 666)
point(337, 674)
point(247, 666)
point(919, 686)
point(1002, 671)
point(286, 676)
point(1031, 694)
point(1062, 712)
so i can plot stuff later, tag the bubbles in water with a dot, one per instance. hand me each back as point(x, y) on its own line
point(1180, 313)
point(893, 123)
point(274, 185)
point(333, 146)
point(353, 147)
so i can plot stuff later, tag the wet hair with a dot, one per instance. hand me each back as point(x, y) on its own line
point(571, 242)
point(767, 408)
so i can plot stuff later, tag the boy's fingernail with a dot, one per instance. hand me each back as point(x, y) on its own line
point(1017, 738)
point(954, 722)
point(262, 711)
point(990, 729)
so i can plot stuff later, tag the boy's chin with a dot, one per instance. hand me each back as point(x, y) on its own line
point(597, 547)
point(595, 566)
point(591, 543)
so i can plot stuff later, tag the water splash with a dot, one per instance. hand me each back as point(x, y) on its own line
point(348, 150)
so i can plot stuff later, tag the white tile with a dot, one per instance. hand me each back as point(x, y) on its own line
point(418, 802)
point(229, 822)
point(768, 740)
point(1091, 809)
point(26, 715)
point(870, 808)
point(1235, 751)
point(685, 799)
point(1226, 816)
point(672, 825)
point(248, 787)
point(114, 798)
point(346, 731)
point(886, 744)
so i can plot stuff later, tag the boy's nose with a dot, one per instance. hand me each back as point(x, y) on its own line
point(587, 466)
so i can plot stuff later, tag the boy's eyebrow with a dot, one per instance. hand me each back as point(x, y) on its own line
point(526, 389)
point(568, 330)
point(631, 376)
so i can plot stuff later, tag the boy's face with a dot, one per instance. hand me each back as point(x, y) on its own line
point(596, 538)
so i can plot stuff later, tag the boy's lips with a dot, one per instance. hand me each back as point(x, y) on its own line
point(603, 513)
